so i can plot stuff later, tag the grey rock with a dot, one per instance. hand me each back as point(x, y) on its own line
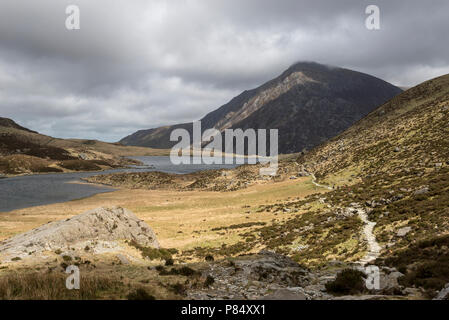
point(251, 277)
point(421, 191)
point(403, 231)
point(285, 294)
point(364, 297)
point(122, 258)
point(390, 280)
point(443, 294)
point(99, 229)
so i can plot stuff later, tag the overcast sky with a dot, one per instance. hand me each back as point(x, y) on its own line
point(138, 64)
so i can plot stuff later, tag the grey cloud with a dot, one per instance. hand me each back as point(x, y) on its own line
point(140, 64)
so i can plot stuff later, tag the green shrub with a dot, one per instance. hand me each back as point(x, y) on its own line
point(183, 271)
point(140, 294)
point(348, 282)
point(209, 280)
point(178, 288)
point(79, 165)
point(153, 253)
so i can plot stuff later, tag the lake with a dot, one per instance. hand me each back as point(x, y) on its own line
point(40, 189)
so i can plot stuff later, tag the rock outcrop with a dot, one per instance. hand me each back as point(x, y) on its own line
point(96, 231)
point(266, 275)
point(443, 294)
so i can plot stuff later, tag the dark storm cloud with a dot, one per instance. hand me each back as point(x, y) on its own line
point(144, 63)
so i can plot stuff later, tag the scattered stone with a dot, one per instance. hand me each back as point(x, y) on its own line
point(301, 247)
point(403, 231)
point(252, 276)
point(389, 281)
point(412, 292)
point(122, 258)
point(397, 197)
point(285, 294)
point(421, 191)
point(443, 294)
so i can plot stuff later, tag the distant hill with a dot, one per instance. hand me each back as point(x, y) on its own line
point(309, 103)
point(8, 123)
point(25, 151)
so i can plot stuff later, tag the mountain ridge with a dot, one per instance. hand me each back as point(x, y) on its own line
point(309, 103)
point(24, 151)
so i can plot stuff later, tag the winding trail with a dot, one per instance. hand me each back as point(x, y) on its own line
point(319, 185)
point(373, 246)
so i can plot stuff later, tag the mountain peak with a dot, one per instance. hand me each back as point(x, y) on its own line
point(309, 103)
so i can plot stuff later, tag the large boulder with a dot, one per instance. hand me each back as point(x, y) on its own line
point(96, 230)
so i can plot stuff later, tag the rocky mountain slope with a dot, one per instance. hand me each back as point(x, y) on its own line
point(394, 164)
point(26, 151)
point(407, 133)
point(309, 103)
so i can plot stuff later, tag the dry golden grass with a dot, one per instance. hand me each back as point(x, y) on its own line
point(51, 286)
point(181, 219)
point(100, 280)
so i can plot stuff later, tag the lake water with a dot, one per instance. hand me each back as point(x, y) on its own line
point(34, 190)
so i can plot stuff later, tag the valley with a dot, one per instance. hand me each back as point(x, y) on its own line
point(374, 195)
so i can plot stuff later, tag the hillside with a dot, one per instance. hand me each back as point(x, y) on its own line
point(408, 133)
point(309, 103)
point(388, 202)
point(394, 164)
point(25, 151)
point(8, 123)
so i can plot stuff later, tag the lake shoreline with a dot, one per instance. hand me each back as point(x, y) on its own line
point(29, 190)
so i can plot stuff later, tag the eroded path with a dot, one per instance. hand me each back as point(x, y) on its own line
point(319, 185)
point(373, 246)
